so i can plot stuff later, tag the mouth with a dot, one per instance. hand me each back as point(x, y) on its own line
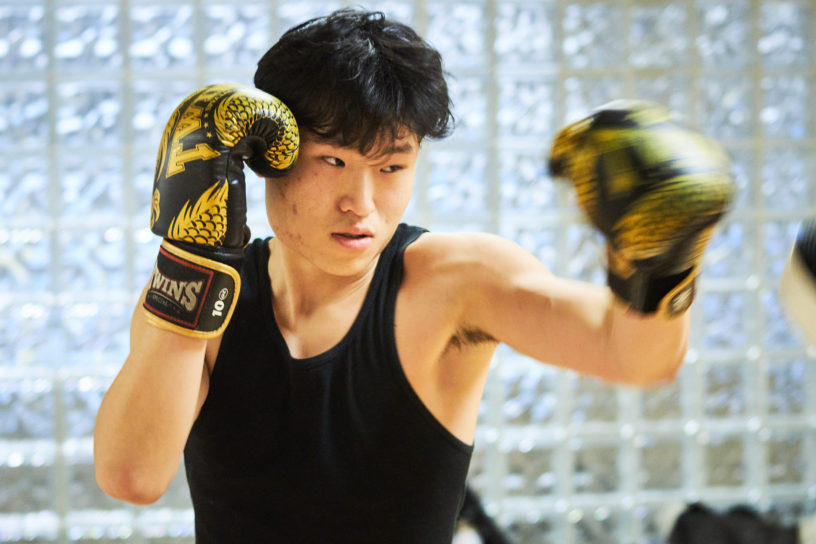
point(356, 239)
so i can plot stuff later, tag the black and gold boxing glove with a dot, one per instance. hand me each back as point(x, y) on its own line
point(655, 189)
point(199, 201)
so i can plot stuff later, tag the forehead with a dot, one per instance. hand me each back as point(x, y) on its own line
point(406, 142)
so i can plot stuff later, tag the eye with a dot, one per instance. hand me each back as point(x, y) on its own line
point(333, 161)
point(390, 169)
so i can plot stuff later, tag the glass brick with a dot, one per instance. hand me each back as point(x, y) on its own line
point(744, 172)
point(398, 10)
point(81, 398)
point(26, 334)
point(22, 42)
point(525, 34)
point(786, 387)
point(106, 526)
point(153, 103)
point(593, 400)
point(92, 260)
point(595, 468)
point(294, 13)
point(587, 254)
point(469, 106)
point(541, 531)
point(525, 187)
point(724, 461)
point(787, 461)
point(23, 114)
point(777, 331)
point(89, 113)
point(26, 409)
point(724, 33)
point(177, 496)
point(662, 403)
point(236, 35)
point(87, 37)
point(723, 323)
point(730, 253)
point(673, 91)
point(786, 110)
point(526, 108)
point(28, 482)
point(725, 390)
point(541, 242)
point(529, 394)
point(530, 472)
point(661, 462)
point(655, 521)
point(93, 333)
point(91, 187)
point(457, 31)
point(726, 106)
point(24, 191)
point(787, 179)
point(787, 34)
point(162, 37)
point(598, 525)
point(778, 241)
point(585, 94)
point(26, 259)
point(144, 166)
point(146, 248)
point(592, 35)
point(655, 38)
point(83, 491)
point(165, 526)
point(457, 182)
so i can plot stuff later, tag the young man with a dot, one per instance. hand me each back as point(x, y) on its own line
point(338, 401)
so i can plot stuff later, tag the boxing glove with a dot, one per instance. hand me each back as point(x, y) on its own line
point(199, 201)
point(655, 189)
point(797, 286)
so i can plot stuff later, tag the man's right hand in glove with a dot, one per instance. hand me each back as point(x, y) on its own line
point(199, 201)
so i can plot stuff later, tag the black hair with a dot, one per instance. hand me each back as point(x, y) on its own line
point(354, 77)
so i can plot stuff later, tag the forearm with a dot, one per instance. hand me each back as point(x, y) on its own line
point(645, 348)
point(146, 415)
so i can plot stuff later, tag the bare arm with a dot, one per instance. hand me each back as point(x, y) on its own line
point(146, 415)
point(511, 296)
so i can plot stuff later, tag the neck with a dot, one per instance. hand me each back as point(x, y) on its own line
point(301, 289)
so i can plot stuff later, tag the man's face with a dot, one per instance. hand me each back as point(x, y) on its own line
point(337, 208)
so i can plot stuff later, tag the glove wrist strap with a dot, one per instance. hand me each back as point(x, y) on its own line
point(648, 293)
point(190, 294)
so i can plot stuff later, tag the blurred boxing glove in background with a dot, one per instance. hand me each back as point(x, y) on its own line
point(797, 286)
point(655, 189)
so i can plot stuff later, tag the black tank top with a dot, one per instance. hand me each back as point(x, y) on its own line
point(333, 448)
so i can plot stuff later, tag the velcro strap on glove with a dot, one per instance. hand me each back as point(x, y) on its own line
point(190, 294)
point(665, 294)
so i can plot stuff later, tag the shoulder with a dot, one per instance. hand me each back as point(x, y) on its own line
point(469, 268)
point(467, 255)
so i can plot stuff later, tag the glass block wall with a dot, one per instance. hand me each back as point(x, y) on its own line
point(86, 87)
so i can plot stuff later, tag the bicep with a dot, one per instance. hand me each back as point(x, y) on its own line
point(571, 324)
point(515, 299)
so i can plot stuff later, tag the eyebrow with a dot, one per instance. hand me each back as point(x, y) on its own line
point(394, 149)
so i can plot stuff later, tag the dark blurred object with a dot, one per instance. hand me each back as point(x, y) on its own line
point(699, 524)
point(474, 519)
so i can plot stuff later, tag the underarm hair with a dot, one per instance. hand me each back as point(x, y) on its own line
point(469, 337)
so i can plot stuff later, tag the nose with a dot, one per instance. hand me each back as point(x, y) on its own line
point(357, 196)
